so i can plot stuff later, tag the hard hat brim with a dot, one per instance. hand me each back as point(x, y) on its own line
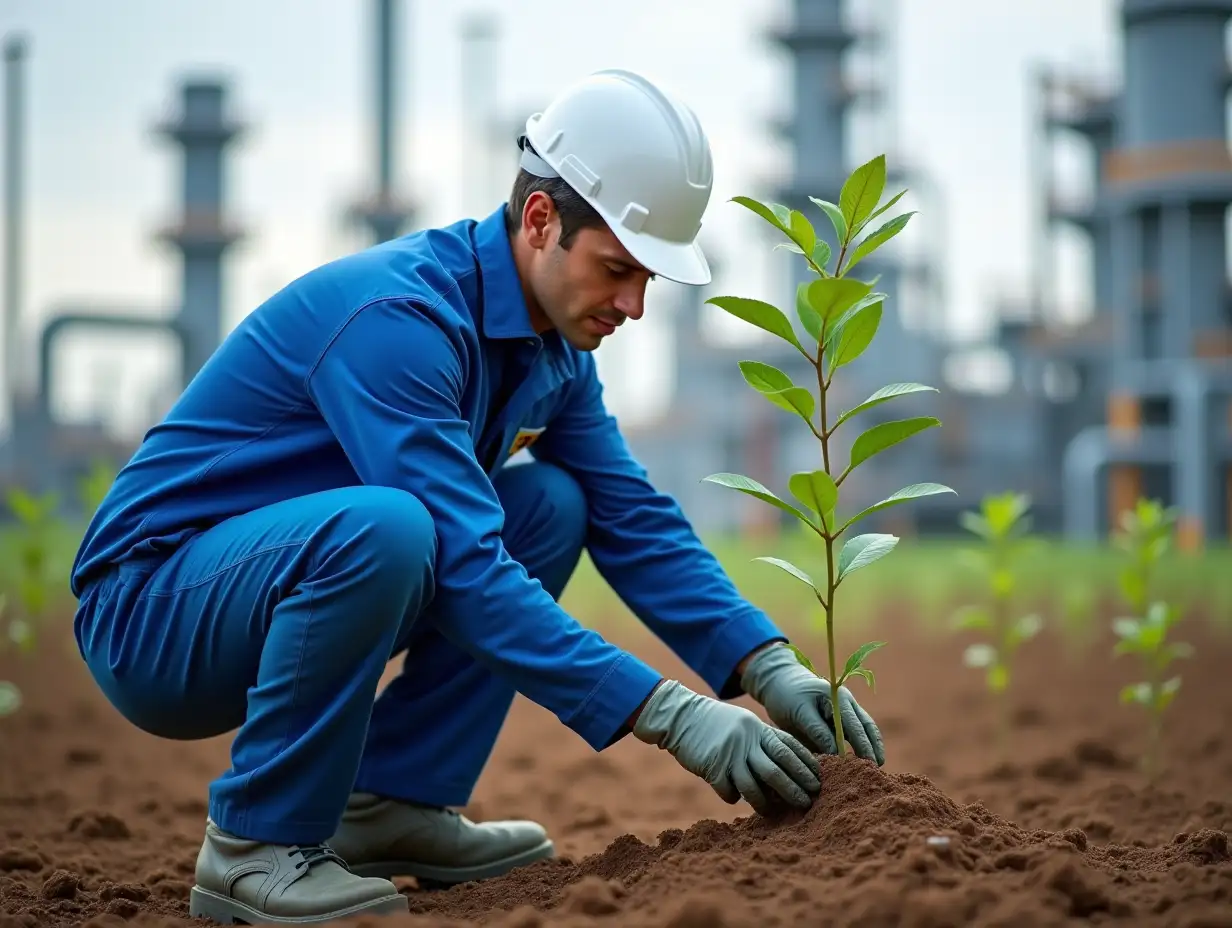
point(681, 262)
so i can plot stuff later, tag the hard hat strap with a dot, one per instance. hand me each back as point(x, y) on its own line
point(532, 163)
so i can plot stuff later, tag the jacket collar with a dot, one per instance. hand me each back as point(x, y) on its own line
point(504, 309)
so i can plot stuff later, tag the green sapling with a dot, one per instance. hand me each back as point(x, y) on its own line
point(1146, 537)
point(1002, 524)
point(840, 316)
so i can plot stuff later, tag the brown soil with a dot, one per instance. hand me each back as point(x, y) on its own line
point(100, 824)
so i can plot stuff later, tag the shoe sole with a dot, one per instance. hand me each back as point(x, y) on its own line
point(432, 877)
point(203, 903)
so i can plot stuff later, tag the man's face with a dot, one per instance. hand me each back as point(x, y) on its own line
point(586, 291)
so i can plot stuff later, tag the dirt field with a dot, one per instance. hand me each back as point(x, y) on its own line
point(100, 824)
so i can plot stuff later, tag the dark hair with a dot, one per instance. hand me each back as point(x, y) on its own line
point(575, 213)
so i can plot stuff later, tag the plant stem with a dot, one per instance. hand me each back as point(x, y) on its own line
point(1001, 635)
point(822, 384)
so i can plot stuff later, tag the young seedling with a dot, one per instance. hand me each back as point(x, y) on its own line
point(840, 316)
point(1146, 536)
point(1002, 524)
point(10, 695)
point(35, 541)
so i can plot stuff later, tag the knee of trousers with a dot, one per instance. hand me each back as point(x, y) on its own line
point(564, 500)
point(385, 541)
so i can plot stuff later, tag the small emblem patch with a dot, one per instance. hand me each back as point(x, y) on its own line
point(524, 439)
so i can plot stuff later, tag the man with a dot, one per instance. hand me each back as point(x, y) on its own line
point(329, 492)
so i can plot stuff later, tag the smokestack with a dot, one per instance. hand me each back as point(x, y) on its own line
point(479, 69)
point(14, 150)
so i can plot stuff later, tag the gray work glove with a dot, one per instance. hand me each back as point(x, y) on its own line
point(729, 747)
point(798, 701)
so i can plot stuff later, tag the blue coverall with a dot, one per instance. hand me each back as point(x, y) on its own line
point(329, 492)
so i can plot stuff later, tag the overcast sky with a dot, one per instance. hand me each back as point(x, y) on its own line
point(99, 182)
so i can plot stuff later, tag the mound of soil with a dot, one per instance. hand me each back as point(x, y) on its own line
point(879, 849)
point(100, 824)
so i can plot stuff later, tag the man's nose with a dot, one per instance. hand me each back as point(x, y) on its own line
point(632, 302)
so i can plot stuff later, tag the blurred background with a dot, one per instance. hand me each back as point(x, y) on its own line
point(1064, 285)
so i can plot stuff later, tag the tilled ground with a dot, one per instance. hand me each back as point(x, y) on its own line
point(100, 824)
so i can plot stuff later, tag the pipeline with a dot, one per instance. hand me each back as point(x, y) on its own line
point(1188, 446)
point(84, 319)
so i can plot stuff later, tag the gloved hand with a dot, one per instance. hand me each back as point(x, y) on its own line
point(798, 701)
point(729, 747)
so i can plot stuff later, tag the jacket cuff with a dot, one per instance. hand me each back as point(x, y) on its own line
point(602, 717)
point(734, 641)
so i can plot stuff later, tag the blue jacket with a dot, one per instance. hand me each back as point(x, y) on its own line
point(378, 368)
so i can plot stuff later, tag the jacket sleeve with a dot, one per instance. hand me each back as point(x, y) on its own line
point(643, 546)
point(389, 385)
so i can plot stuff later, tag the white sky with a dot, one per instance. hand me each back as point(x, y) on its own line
point(99, 183)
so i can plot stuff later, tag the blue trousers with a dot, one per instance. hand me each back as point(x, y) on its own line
point(280, 623)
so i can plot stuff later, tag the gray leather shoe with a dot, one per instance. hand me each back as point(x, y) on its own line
point(250, 882)
point(439, 847)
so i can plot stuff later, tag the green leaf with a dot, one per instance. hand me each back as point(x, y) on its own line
point(976, 524)
point(808, 316)
point(836, 218)
point(888, 204)
point(853, 334)
point(10, 698)
point(801, 657)
point(868, 677)
point(777, 387)
point(1167, 692)
point(906, 494)
point(857, 657)
point(820, 255)
point(833, 296)
point(794, 399)
point(751, 487)
point(979, 655)
point(801, 231)
point(970, 618)
point(759, 313)
point(883, 395)
point(998, 678)
point(22, 635)
point(863, 550)
point(1136, 692)
point(1163, 614)
point(862, 191)
point(775, 214)
point(876, 239)
point(1002, 511)
point(789, 567)
point(1125, 628)
point(886, 435)
point(1026, 628)
point(25, 507)
point(816, 490)
point(764, 378)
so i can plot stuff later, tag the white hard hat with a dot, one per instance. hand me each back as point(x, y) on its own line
point(639, 156)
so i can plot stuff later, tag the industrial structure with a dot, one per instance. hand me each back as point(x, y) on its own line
point(1133, 401)
point(41, 453)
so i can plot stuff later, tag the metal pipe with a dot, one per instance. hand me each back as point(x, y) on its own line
point(385, 68)
point(1087, 453)
point(1189, 446)
point(65, 321)
point(14, 234)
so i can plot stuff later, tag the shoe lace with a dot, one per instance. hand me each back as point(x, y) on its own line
point(312, 854)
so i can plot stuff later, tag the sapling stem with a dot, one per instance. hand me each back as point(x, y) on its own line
point(831, 584)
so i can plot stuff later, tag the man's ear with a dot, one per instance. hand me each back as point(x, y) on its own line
point(540, 224)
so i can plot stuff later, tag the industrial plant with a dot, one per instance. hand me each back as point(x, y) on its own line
point(1132, 401)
